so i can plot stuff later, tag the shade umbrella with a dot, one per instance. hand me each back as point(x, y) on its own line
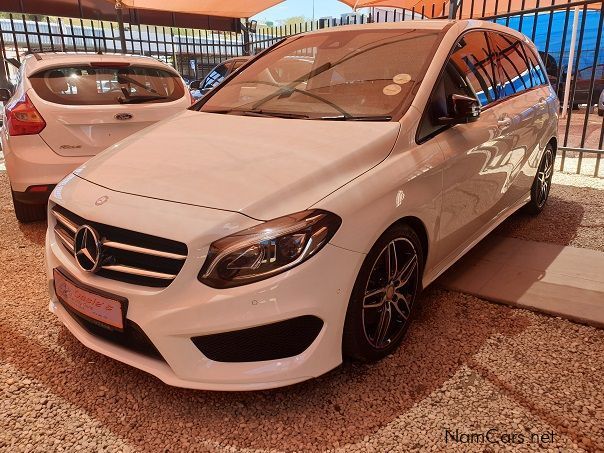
point(476, 9)
point(225, 8)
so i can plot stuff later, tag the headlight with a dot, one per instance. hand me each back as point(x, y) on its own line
point(267, 249)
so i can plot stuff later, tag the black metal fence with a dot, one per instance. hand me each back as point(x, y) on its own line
point(194, 51)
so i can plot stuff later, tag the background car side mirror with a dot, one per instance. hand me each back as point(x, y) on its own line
point(463, 109)
point(194, 85)
point(5, 95)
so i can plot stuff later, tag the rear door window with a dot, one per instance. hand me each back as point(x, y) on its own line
point(106, 85)
point(514, 73)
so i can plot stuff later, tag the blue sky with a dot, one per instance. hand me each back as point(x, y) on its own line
point(291, 8)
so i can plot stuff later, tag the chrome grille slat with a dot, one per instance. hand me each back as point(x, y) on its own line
point(66, 240)
point(137, 271)
point(71, 226)
point(123, 260)
point(143, 250)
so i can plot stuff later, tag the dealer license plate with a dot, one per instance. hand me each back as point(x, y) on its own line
point(106, 311)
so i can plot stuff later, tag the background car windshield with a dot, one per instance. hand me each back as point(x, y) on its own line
point(361, 73)
point(86, 85)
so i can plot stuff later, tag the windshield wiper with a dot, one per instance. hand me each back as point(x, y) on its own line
point(139, 99)
point(355, 118)
point(258, 112)
point(273, 114)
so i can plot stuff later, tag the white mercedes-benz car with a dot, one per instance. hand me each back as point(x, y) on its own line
point(68, 107)
point(290, 218)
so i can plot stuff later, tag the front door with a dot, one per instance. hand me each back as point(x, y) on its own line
point(472, 186)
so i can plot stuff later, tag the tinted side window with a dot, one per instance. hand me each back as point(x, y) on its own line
point(514, 75)
point(469, 72)
point(215, 77)
point(472, 58)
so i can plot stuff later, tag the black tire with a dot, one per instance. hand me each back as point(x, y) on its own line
point(601, 112)
point(27, 213)
point(543, 181)
point(400, 302)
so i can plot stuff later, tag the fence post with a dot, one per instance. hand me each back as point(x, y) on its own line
point(571, 57)
point(452, 9)
point(120, 24)
point(4, 82)
point(246, 37)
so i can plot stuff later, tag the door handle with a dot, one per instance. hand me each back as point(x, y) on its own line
point(504, 122)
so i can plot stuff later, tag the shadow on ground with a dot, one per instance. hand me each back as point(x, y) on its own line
point(448, 332)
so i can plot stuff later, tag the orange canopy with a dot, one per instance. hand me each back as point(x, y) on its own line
point(224, 8)
point(441, 7)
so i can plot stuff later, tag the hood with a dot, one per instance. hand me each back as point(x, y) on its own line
point(261, 167)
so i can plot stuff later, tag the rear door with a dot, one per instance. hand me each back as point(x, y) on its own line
point(520, 107)
point(88, 108)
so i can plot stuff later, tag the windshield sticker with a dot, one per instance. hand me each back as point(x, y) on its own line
point(401, 79)
point(392, 89)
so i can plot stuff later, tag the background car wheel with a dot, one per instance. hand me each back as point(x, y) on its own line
point(601, 112)
point(543, 181)
point(383, 299)
point(28, 212)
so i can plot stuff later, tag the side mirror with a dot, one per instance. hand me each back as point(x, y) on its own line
point(5, 95)
point(194, 85)
point(463, 109)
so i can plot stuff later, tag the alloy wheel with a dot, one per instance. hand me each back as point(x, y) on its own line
point(390, 293)
point(544, 176)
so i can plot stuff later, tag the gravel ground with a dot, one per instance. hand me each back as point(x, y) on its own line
point(467, 366)
point(574, 215)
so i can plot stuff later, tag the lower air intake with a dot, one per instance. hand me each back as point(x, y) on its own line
point(268, 342)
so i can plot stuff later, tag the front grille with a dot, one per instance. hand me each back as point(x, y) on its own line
point(269, 342)
point(127, 256)
point(132, 337)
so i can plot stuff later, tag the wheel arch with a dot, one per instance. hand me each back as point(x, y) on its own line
point(420, 228)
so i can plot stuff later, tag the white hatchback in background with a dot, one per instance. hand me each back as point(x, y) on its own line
point(69, 107)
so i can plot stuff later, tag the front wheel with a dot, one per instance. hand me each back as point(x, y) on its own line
point(383, 299)
point(542, 183)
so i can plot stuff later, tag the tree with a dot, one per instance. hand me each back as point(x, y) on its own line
point(294, 20)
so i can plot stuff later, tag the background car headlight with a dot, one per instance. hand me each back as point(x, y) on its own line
point(267, 249)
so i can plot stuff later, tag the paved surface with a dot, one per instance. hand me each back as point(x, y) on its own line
point(466, 367)
point(558, 280)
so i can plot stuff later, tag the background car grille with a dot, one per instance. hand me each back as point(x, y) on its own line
point(127, 256)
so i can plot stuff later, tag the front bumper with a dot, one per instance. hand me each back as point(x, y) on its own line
point(170, 317)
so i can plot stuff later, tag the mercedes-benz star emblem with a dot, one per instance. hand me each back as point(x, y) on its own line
point(101, 200)
point(87, 247)
point(123, 116)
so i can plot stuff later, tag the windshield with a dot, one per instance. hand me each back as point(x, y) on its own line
point(104, 85)
point(350, 74)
